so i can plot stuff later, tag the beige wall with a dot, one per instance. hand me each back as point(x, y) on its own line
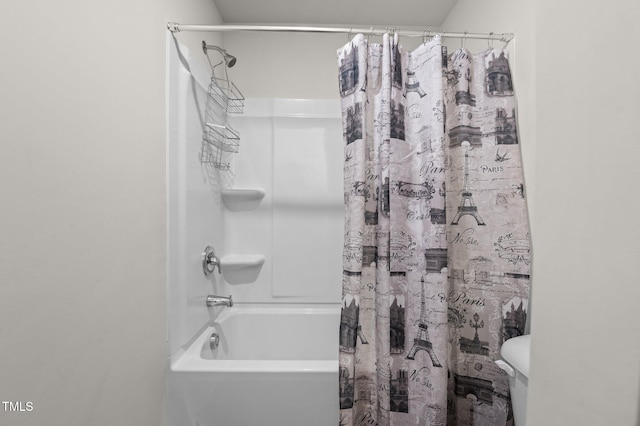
point(82, 178)
point(82, 253)
point(586, 330)
point(285, 65)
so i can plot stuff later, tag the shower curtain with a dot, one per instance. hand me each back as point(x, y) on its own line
point(436, 245)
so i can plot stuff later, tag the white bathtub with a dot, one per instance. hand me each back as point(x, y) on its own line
point(276, 365)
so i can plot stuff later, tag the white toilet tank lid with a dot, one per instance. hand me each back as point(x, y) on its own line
point(516, 352)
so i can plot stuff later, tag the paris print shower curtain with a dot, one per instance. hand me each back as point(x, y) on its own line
point(436, 242)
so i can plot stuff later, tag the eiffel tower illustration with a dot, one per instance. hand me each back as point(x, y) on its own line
point(413, 85)
point(421, 342)
point(467, 206)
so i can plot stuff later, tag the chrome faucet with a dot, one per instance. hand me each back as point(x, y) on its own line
point(219, 301)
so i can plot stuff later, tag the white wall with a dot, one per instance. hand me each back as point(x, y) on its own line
point(586, 334)
point(82, 253)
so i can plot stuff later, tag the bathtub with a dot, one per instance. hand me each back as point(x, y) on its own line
point(276, 365)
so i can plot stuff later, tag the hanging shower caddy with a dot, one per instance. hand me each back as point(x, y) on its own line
point(219, 139)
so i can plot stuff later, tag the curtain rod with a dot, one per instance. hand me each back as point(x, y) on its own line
point(175, 27)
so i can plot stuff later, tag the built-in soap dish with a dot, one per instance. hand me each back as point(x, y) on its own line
point(241, 268)
point(238, 200)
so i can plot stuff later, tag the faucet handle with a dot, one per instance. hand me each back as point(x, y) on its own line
point(210, 261)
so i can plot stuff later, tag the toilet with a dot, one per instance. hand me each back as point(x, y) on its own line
point(515, 362)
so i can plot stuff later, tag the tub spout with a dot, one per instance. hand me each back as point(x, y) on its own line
point(219, 301)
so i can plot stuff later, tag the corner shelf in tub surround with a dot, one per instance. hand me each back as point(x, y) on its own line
point(238, 200)
point(241, 268)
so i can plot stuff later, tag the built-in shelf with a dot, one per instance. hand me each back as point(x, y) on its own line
point(241, 268)
point(235, 262)
point(238, 200)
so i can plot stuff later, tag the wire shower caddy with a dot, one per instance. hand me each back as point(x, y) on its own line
point(219, 139)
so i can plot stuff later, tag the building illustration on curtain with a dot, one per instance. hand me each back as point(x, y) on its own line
point(350, 329)
point(498, 75)
point(396, 327)
point(349, 73)
point(514, 318)
point(353, 127)
point(506, 130)
point(399, 392)
point(397, 121)
point(345, 382)
point(465, 133)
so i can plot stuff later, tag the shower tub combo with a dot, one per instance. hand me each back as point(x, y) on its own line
point(270, 355)
point(271, 366)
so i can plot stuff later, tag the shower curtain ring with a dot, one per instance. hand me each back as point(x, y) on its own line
point(425, 34)
point(506, 39)
point(490, 40)
point(463, 40)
